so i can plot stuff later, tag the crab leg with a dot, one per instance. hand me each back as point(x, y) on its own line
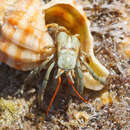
point(101, 80)
point(33, 73)
point(79, 78)
point(44, 84)
point(38, 69)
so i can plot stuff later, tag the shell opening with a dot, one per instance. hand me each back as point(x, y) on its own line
point(67, 16)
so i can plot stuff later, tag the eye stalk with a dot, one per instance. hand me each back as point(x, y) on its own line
point(68, 49)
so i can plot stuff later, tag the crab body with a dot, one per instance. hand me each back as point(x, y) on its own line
point(68, 49)
point(26, 43)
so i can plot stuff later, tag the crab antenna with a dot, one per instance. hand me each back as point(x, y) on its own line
point(58, 86)
point(83, 99)
point(59, 73)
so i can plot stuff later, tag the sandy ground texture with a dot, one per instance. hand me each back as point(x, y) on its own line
point(106, 110)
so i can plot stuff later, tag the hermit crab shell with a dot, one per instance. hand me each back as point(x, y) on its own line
point(25, 41)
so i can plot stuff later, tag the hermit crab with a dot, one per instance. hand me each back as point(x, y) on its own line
point(36, 36)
